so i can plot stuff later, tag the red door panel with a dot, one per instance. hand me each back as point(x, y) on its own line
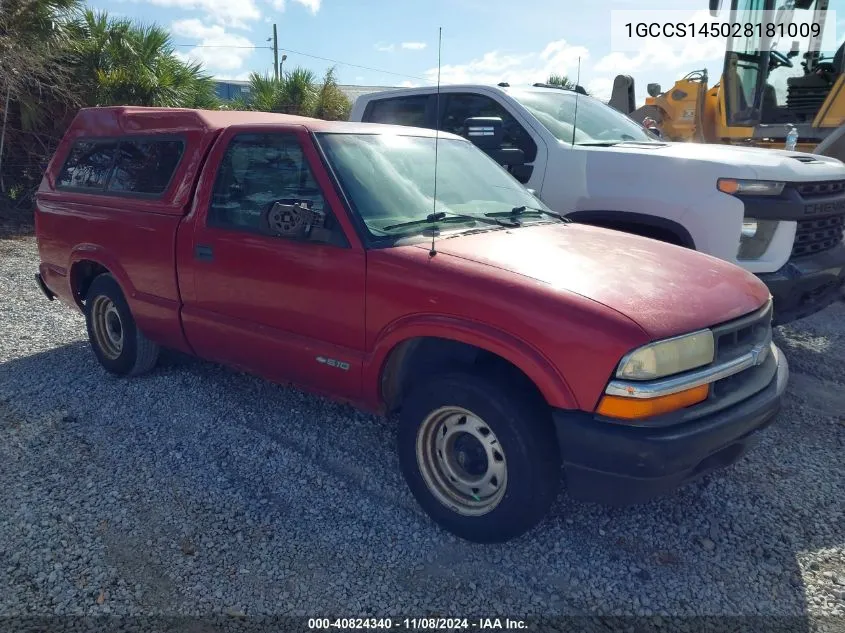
point(286, 309)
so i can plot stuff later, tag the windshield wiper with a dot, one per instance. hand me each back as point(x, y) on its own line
point(442, 216)
point(517, 211)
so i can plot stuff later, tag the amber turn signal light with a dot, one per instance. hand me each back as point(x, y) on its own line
point(728, 185)
point(639, 408)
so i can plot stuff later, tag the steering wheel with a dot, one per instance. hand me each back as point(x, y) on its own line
point(781, 59)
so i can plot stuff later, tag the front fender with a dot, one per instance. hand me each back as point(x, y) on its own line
point(528, 358)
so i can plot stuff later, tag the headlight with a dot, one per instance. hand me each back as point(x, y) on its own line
point(755, 237)
point(750, 187)
point(667, 357)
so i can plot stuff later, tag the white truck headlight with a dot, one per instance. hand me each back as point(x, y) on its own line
point(668, 357)
point(734, 186)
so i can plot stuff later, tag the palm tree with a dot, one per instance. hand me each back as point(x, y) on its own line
point(34, 87)
point(296, 92)
point(121, 62)
point(561, 80)
point(331, 103)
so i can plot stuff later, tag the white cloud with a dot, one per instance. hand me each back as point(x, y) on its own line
point(224, 12)
point(414, 46)
point(312, 5)
point(559, 58)
point(408, 84)
point(662, 53)
point(385, 48)
point(244, 76)
point(600, 88)
point(220, 52)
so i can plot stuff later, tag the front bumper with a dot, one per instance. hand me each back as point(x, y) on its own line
point(806, 285)
point(618, 464)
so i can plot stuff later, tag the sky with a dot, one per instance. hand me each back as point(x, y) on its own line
point(395, 42)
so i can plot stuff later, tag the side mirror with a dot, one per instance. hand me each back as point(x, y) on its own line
point(291, 218)
point(485, 132)
point(653, 90)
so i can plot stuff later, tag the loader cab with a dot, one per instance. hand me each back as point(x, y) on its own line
point(784, 78)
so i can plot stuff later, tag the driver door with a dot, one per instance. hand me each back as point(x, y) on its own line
point(274, 289)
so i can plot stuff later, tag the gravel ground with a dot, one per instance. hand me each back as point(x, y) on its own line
point(197, 489)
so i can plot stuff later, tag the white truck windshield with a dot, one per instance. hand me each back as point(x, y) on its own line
point(595, 123)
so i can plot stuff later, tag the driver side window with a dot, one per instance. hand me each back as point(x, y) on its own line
point(264, 185)
point(460, 107)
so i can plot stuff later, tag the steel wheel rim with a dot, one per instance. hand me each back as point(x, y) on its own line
point(107, 327)
point(462, 461)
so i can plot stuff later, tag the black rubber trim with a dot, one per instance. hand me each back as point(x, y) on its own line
point(791, 206)
point(639, 219)
point(622, 465)
point(805, 285)
point(47, 292)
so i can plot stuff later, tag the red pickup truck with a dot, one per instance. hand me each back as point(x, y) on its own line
point(514, 344)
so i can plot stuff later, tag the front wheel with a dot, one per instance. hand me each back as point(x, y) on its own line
point(117, 342)
point(480, 458)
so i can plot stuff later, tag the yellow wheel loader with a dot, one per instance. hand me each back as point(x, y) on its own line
point(768, 86)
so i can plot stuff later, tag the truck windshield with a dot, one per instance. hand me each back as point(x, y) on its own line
point(389, 179)
point(596, 122)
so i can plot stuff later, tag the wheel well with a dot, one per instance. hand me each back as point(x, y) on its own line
point(653, 232)
point(653, 227)
point(81, 276)
point(413, 359)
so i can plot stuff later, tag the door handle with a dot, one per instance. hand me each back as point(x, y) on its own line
point(203, 252)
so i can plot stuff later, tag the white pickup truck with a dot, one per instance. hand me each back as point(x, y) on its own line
point(778, 214)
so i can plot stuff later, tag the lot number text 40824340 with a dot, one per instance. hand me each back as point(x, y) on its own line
point(417, 624)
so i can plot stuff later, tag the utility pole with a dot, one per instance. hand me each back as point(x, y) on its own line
point(275, 52)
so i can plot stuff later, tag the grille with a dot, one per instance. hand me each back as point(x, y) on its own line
point(821, 234)
point(732, 341)
point(822, 188)
point(738, 337)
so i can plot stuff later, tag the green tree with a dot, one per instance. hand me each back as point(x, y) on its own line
point(119, 62)
point(36, 94)
point(331, 104)
point(297, 92)
point(561, 80)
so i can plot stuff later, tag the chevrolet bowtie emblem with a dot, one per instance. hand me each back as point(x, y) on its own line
point(759, 353)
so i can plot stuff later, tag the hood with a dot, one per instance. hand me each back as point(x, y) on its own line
point(667, 290)
point(768, 164)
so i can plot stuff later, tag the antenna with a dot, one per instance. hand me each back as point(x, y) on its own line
point(433, 252)
point(575, 117)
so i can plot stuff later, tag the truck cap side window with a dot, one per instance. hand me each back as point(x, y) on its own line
point(121, 165)
point(145, 166)
point(88, 165)
point(260, 172)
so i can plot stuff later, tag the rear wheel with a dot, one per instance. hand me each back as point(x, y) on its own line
point(480, 458)
point(120, 347)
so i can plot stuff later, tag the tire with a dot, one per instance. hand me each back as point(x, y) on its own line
point(120, 347)
point(522, 436)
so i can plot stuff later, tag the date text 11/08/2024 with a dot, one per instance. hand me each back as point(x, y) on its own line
point(417, 624)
